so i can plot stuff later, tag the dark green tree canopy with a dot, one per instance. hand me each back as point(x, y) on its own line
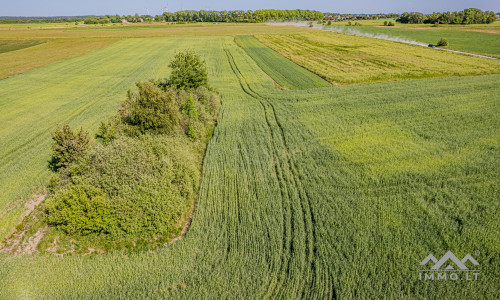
point(189, 71)
point(151, 109)
point(67, 146)
point(467, 16)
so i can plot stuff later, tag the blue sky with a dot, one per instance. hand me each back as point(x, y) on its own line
point(102, 7)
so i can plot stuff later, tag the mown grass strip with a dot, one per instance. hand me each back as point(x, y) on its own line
point(12, 45)
point(284, 72)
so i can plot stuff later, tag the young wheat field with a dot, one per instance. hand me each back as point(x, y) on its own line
point(308, 191)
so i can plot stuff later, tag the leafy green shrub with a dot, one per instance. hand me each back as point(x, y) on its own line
point(192, 114)
point(386, 23)
point(151, 179)
point(106, 132)
point(190, 109)
point(151, 109)
point(208, 99)
point(190, 131)
point(80, 209)
point(442, 42)
point(329, 23)
point(391, 24)
point(67, 146)
point(188, 71)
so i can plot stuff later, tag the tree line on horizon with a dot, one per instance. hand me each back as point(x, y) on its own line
point(466, 16)
point(244, 16)
point(23, 20)
point(248, 16)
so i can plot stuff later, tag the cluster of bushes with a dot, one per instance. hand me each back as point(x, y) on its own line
point(355, 24)
point(389, 23)
point(442, 42)
point(467, 16)
point(99, 20)
point(117, 19)
point(139, 177)
point(336, 17)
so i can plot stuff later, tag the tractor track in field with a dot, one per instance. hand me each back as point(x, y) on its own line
point(285, 167)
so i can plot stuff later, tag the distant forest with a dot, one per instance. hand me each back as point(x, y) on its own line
point(24, 20)
point(248, 16)
point(243, 16)
point(467, 16)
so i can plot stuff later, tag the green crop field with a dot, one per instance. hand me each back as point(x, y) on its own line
point(344, 59)
point(333, 192)
point(283, 71)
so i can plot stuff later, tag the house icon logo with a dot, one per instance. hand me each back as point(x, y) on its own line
point(449, 256)
point(449, 267)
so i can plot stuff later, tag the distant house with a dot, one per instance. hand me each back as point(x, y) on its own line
point(124, 21)
point(141, 19)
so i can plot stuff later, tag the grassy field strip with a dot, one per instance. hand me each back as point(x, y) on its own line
point(286, 73)
point(82, 90)
point(345, 59)
point(13, 45)
point(462, 40)
point(20, 61)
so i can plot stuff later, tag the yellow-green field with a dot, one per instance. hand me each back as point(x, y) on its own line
point(345, 59)
point(23, 60)
point(321, 193)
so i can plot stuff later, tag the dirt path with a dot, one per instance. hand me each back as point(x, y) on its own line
point(468, 53)
point(17, 242)
point(401, 40)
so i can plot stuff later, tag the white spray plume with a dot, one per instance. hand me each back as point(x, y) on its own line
point(351, 30)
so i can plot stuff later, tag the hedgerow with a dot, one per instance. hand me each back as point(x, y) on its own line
point(141, 177)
